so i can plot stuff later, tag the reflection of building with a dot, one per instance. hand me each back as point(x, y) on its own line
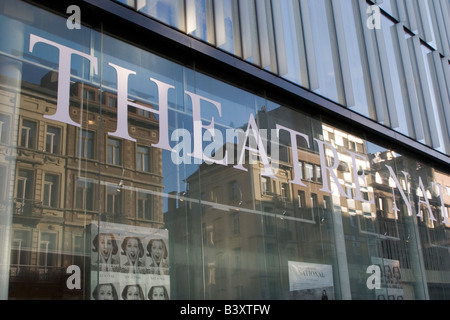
point(370, 108)
point(396, 237)
point(290, 222)
point(58, 189)
point(242, 214)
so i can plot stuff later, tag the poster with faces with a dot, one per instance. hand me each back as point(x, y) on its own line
point(129, 262)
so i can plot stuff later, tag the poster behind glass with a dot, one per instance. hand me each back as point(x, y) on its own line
point(129, 263)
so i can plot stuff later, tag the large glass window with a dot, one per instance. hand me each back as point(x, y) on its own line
point(180, 185)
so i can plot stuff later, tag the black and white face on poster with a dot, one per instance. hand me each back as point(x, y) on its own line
point(129, 263)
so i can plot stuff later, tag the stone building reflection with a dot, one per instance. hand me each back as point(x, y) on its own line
point(65, 177)
point(231, 232)
point(242, 228)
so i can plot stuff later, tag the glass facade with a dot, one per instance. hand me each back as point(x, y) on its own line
point(130, 175)
point(360, 54)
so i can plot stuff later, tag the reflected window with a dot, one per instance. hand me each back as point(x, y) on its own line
point(300, 171)
point(3, 184)
point(327, 206)
point(203, 199)
point(51, 187)
point(78, 250)
point(28, 134)
point(114, 200)
point(4, 128)
point(314, 206)
point(143, 159)
point(350, 191)
point(114, 151)
point(109, 100)
point(237, 259)
point(143, 113)
point(285, 191)
point(89, 94)
point(318, 174)
point(269, 226)
point(301, 199)
point(236, 225)
point(284, 154)
point(145, 203)
point(265, 185)
point(234, 191)
point(271, 255)
point(212, 273)
point(86, 144)
point(309, 171)
point(24, 184)
point(47, 250)
point(381, 203)
point(84, 195)
point(52, 140)
point(20, 250)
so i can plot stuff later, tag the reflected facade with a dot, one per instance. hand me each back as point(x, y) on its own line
point(129, 174)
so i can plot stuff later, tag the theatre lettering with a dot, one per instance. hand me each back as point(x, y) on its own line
point(198, 152)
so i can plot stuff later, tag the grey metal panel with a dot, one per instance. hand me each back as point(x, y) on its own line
point(444, 94)
point(373, 69)
point(410, 87)
point(343, 54)
point(219, 23)
point(181, 17)
point(425, 21)
point(298, 25)
point(279, 38)
point(424, 89)
point(210, 34)
point(310, 54)
point(446, 70)
point(267, 40)
point(249, 32)
point(237, 29)
point(263, 33)
point(411, 12)
point(190, 16)
point(402, 15)
point(391, 111)
point(443, 44)
point(445, 6)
